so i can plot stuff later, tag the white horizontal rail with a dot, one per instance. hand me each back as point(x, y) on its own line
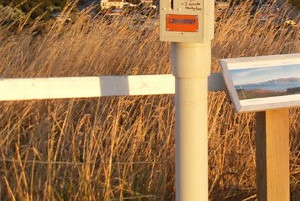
point(85, 87)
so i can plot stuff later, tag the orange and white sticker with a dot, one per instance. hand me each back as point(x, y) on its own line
point(183, 23)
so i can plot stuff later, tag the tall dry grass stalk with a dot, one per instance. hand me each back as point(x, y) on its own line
point(122, 148)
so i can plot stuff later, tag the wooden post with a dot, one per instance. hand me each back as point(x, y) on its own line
point(272, 155)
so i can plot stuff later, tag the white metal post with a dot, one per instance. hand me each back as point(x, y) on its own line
point(191, 67)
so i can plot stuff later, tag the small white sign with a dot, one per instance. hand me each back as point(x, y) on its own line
point(186, 21)
point(263, 83)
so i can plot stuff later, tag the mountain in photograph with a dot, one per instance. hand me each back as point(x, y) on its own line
point(283, 80)
point(280, 84)
point(270, 88)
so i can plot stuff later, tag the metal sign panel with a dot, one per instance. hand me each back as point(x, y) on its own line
point(184, 23)
point(187, 20)
point(263, 83)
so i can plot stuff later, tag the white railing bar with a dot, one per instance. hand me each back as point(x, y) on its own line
point(87, 87)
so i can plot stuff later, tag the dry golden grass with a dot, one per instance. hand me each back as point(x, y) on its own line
point(122, 148)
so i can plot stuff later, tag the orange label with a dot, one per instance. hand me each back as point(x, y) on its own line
point(184, 23)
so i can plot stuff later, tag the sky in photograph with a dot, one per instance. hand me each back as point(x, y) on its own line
point(256, 75)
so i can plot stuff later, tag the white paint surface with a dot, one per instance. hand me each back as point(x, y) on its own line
point(85, 87)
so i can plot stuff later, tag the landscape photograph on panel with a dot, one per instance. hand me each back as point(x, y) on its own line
point(262, 83)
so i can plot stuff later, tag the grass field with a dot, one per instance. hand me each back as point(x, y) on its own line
point(295, 3)
point(122, 148)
